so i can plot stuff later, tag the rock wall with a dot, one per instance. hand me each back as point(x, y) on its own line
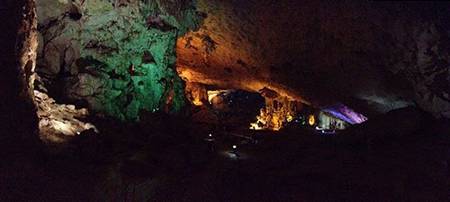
point(115, 56)
point(18, 39)
point(372, 56)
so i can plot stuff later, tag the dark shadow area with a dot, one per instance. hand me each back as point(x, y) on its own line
point(204, 150)
point(165, 158)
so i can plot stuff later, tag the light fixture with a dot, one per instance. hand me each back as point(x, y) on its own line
point(311, 120)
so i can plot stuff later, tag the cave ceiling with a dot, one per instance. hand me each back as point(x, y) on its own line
point(120, 56)
point(372, 56)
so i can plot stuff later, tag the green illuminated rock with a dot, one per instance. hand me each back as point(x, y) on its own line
point(125, 54)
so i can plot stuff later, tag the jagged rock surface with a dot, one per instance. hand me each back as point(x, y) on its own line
point(372, 56)
point(117, 56)
point(58, 122)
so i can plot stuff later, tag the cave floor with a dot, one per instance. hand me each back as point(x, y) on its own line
point(316, 169)
point(180, 164)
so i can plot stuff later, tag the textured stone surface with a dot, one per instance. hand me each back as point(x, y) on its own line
point(118, 56)
point(58, 122)
point(18, 40)
point(372, 56)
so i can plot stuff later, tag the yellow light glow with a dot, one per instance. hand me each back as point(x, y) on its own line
point(274, 116)
point(197, 102)
point(311, 120)
point(260, 122)
point(213, 93)
point(289, 118)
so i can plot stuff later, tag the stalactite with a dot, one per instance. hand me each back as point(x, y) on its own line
point(278, 111)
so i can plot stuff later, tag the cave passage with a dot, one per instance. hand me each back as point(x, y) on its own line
point(212, 100)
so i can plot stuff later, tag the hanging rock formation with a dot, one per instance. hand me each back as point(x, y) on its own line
point(117, 57)
point(372, 56)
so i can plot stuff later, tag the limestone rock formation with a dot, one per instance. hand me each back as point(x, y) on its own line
point(18, 40)
point(119, 57)
point(58, 122)
point(111, 55)
point(372, 56)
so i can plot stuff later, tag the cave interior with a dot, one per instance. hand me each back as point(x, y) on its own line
point(210, 100)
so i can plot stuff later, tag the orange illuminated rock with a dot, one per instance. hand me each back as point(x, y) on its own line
point(370, 56)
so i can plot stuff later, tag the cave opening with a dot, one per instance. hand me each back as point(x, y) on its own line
point(233, 109)
point(265, 110)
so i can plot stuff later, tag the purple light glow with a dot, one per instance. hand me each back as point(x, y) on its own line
point(346, 114)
